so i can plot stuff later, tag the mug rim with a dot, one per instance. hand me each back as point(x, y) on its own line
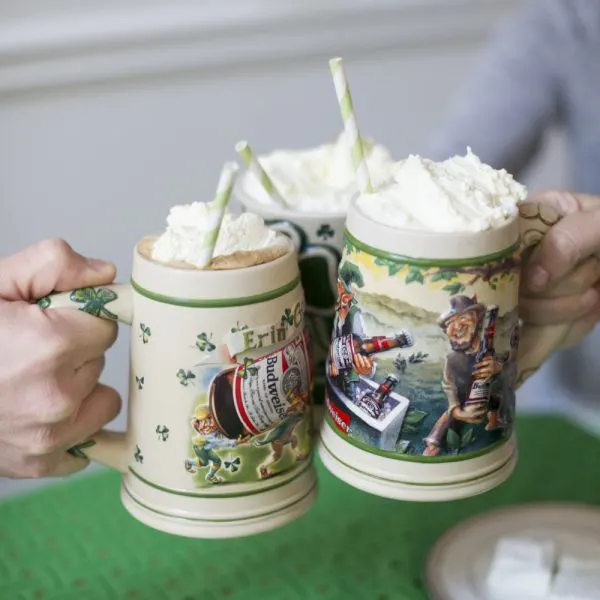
point(431, 246)
point(275, 211)
point(203, 288)
point(441, 235)
point(290, 249)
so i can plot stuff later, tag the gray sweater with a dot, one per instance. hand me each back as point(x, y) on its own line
point(542, 69)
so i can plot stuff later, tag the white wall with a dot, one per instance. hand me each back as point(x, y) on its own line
point(107, 118)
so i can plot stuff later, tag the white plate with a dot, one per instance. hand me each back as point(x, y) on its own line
point(459, 562)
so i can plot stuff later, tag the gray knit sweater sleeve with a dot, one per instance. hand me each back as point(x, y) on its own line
point(511, 97)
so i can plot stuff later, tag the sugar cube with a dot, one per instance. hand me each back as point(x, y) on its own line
point(532, 552)
point(521, 568)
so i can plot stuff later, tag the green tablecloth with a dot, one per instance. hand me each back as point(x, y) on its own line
point(76, 541)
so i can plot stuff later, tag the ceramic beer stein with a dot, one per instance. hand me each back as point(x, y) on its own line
point(318, 238)
point(219, 435)
point(423, 366)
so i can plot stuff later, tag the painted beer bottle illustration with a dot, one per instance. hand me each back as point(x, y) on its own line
point(345, 349)
point(254, 397)
point(351, 364)
point(481, 386)
point(373, 401)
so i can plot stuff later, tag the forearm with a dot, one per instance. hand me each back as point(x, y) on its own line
point(509, 100)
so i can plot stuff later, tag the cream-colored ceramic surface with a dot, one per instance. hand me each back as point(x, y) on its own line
point(415, 473)
point(417, 478)
point(397, 490)
point(428, 244)
point(171, 370)
point(226, 517)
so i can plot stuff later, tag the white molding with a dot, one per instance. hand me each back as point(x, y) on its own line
point(129, 39)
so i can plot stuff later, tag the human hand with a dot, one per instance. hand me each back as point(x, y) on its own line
point(561, 276)
point(363, 364)
point(487, 368)
point(50, 362)
point(471, 413)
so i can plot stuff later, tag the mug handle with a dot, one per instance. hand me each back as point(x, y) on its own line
point(537, 342)
point(306, 251)
point(113, 303)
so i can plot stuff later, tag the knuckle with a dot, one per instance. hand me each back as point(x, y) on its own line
point(564, 201)
point(52, 337)
point(44, 442)
point(56, 406)
point(55, 250)
point(55, 349)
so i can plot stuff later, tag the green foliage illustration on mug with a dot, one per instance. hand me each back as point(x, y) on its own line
point(422, 362)
point(94, 300)
point(90, 300)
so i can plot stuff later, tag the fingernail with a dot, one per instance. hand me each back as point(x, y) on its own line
point(99, 265)
point(590, 298)
point(538, 277)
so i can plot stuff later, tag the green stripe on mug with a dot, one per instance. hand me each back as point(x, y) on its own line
point(217, 302)
point(350, 243)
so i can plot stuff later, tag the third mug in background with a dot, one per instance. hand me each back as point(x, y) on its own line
point(318, 183)
point(318, 241)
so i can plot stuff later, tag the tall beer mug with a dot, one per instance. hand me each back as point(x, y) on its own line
point(219, 436)
point(423, 364)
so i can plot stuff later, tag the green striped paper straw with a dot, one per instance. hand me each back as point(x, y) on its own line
point(219, 204)
point(342, 90)
point(244, 150)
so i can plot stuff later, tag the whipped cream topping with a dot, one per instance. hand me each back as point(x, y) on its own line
point(460, 194)
point(321, 179)
point(188, 235)
point(246, 233)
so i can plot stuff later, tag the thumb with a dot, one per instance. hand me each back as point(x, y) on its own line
point(50, 265)
point(564, 246)
point(565, 202)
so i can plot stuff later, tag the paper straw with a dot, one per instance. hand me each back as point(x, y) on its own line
point(342, 91)
point(244, 150)
point(220, 203)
